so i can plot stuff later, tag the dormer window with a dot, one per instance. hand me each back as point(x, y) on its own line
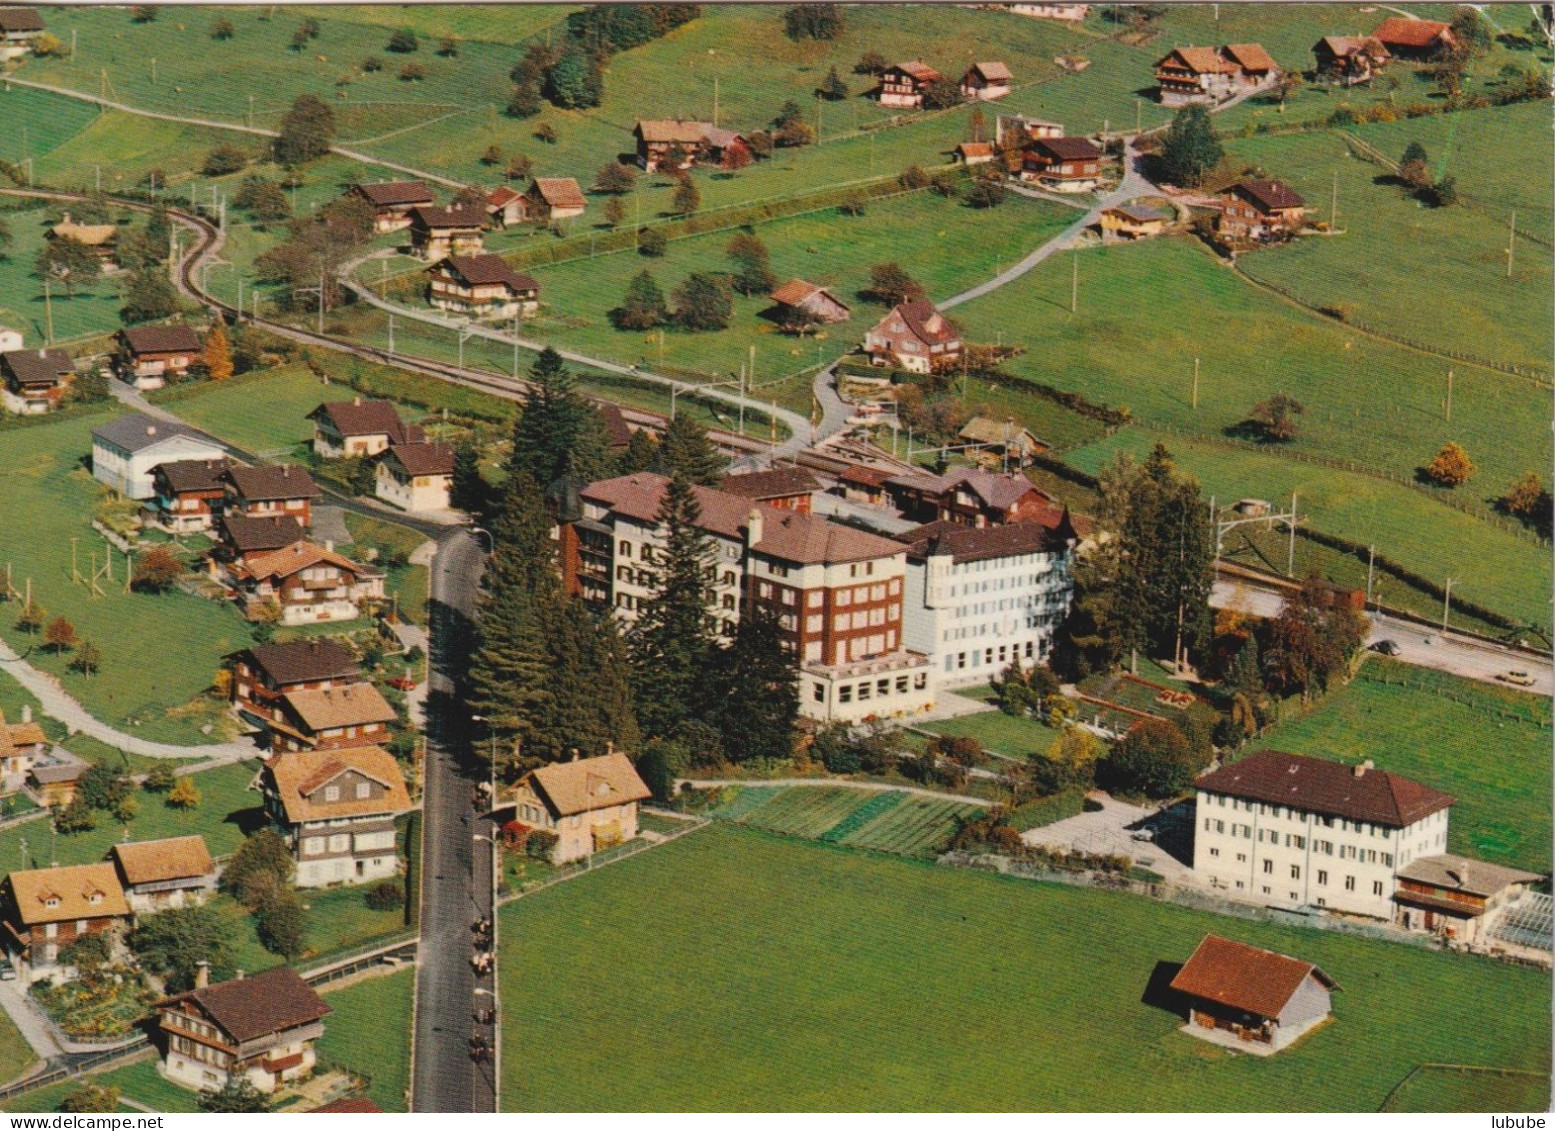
point(51, 901)
point(331, 793)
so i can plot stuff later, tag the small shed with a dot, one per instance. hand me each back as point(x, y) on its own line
point(1251, 999)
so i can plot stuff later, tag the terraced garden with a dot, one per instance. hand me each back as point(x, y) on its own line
point(897, 822)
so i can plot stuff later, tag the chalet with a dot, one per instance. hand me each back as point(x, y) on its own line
point(160, 874)
point(190, 494)
point(21, 744)
point(1349, 59)
point(905, 84)
point(36, 381)
point(304, 583)
point(126, 451)
point(1256, 66)
point(724, 148)
point(802, 304)
point(689, 143)
point(550, 200)
point(986, 81)
point(1011, 131)
point(261, 675)
point(1408, 38)
point(392, 201)
point(337, 808)
point(1250, 999)
point(1132, 222)
point(272, 490)
point(483, 286)
point(1005, 442)
point(1073, 13)
point(239, 537)
point(147, 355)
point(1456, 898)
point(863, 484)
point(971, 496)
point(974, 153)
point(914, 336)
point(103, 239)
point(1063, 164)
point(19, 29)
point(260, 1029)
point(1210, 74)
point(436, 232)
point(45, 910)
point(1260, 210)
point(504, 207)
point(54, 776)
point(325, 718)
point(359, 428)
point(791, 488)
point(416, 477)
point(590, 804)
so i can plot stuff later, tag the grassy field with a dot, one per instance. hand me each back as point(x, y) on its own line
point(227, 409)
point(338, 919)
point(91, 310)
point(1448, 1089)
point(409, 584)
point(16, 1055)
point(825, 1010)
point(49, 501)
point(1497, 767)
point(369, 1033)
point(1004, 734)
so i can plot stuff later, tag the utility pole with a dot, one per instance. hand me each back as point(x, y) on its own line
point(1074, 284)
point(153, 70)
point(1371, 564)
point(391, 333)
point(715, 101)
point(1447, 603)
point(321, 299)
point(1138, 116)
point(48, 313)
point(1195, 382)
point(752, 370)
point(1333, 205)
point(72, 45)
point(1511, 243)
point(250, 111)
point(1449, 396)
point(742, 398)
point(98, 172)
point(1290, 555)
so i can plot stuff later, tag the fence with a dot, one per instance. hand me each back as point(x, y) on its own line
point(78, 1068)
point(352, 961)
point(1371, 675)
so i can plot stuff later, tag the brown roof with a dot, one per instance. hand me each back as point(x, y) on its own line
point(153, 861)
point(257, 535)
point(808, 538)
point(85, 891)
point(462, 216)
point(986, 430)
point(1459, 873)
point(672, 131)
point(297, 774)
point(991, 72)
point(323, 708)
point(16, 735)
point(775, 483)
point(1321, 786)
point(920, 71)
point(56, 766)
point(1244, 977)
point(38, 367)
point(249, 1008)
point(1250, 56)
point(194, 474)
point(365, 418)
point(1068, 148)
point(1199, 60)
point(20, 19)
point(1401, 31)
point(386, 193)
point(617, 430)
point(579, 786)
point(866, 476)
point(995, 490)
point(795, 291)
point(1269, 196)
point(298, 556)
point(560, 192)
point(980, 543)
point(304, 661)
point(161, 339)
point(1139, 213)
point(1342, 46)
point(975, 149)
point(424, 459)
point(924, 320)
point(482, 270)
point(273, 481)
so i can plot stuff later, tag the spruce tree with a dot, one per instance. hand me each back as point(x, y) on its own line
point(756, 699)
point(1190, 149)
point(641, 454)
point(590, 705)
point(685, 450)
point(559, 432)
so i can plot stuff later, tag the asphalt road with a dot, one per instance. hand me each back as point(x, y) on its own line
point(446, 1079)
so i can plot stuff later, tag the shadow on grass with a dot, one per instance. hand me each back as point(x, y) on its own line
point(1159, 993)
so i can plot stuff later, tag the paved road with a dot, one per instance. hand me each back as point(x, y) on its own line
point(446, 1079)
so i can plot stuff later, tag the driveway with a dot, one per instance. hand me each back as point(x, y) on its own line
point(1109, 831)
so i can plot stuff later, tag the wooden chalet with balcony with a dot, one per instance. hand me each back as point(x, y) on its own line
point(160, 874)
point(1349, 59)
point(148, 355)
point(1063, 164)
point(1260, 212)
point(35, 381)
point(345, 429)
point(337, 809)
point(482, 286)
point(303, 583)
point(914, 336)
point(272, 490)
point(191, 494)
point(263, 674)
point(392, 201)
point(436, 232)
point(986, 81)
point(44, 910)
point(324, 718)
point(904, 84)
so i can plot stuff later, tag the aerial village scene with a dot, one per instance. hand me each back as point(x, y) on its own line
point(815, 557)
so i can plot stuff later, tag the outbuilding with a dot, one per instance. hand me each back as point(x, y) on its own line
point(1251, 999)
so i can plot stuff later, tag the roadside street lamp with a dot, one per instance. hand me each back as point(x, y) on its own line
point(491, 548)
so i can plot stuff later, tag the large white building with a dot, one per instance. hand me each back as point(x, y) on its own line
point(1279, 828)
point(978, 598)
point(126, 451)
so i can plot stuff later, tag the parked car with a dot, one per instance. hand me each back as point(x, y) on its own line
point(1520, 678)
point(402, 683)
point(1143, 834)
point(1386, 647)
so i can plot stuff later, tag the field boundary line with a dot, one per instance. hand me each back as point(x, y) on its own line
point(693, 824)
point(873, 786)
point(1433, 1066)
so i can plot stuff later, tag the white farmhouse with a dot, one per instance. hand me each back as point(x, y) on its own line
point(126, 451)
point(1279, 828)
point(416, 477)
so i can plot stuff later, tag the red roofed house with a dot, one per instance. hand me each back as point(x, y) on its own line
point(590, 804)
point(325, 718)
point(1260, 210)
point(359, 428)
point(505, 207)
point(974, 153)
point(158, 874)
point(801, 304)
point(986, 81)
point(436, 232)
point(970, 496)
point(305, 583)
point(549, 200)
point(1415, 39)
point(148, 354)
point(1210, 74)
point(392, 201)
point(260, 1029)
point(1063, 164)
point(416, 477)
point(483, 286)
point(1349, 59)
point(1249, 999)
point(915, 337)
point(1286, 829)
point(190, 493)
point(905, 83)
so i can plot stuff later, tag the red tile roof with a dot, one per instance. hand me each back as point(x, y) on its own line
point(1330, 788)
point(424, 459)
point(774, 483)
point(560, 192)
point(1250, 56)
point(1198, 60)
point(919, 71)
point(1244, 977)
point(1400, 31)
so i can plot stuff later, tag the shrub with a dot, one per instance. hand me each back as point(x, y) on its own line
point(651, 242)
point(540, 843)
point(385, 896)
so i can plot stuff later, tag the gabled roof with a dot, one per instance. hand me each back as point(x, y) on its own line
point(257, 535)
point(585, 784)
point(810, 539)
point(38, 367)
point(298, 556)
point(161, 339)
point(462, 216)
point(194, 474)
point(1461, 874)
point(385, 193)
point(560, 192)
point(324, 708)
point(156, 861)
point(249, 1008)
point(991, 72)
point(1068, 148)
point(423, 459)
point(1139, 213)
point(502, 196)
point(15, 736)
point(919, 71)
point(1243, 977)
point(136, 431)
point(14, 20)
point(993, 489)
point(484, 270)
point(297, 774)
point(1343, 46)
point(93, 235)
point(618, 432)
point(1402, 31)
point(980, 543)
point(986, 430)
point(360, 417)
point(672, 131)
point(1269, 196)
point(304, 661)
point(924, 321)
point(84, 891)
point(1250, 56)
point(796, 291)
point(1318, 785)
point(975, 149)
point(720, 138)
point(775, 483)
point(269, 482)
point(58, 766)
point(1198, 60)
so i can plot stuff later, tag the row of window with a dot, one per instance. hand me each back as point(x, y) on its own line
point(1006, 652)
point(1377, 886)
point(1343, 824)
point(873, 689)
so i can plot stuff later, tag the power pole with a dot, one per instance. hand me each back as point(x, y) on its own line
point(1447, 603)
point(1074, 284)
point(1511, 243)
point(1333, 205)
point(321, 300)
point(1290, 554)
point(1371, 563)
point(1449, 396)
point(1195, 382)
point(48, 313)
point(715, 100)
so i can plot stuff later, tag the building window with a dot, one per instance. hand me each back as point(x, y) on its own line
point(1322, 877)
point(1376, 887)
point(363, 791)
point(331, 793)
point(1268, 867)
point(1295, 871)
point(1349, 883)
point(845, 693)
point(818, 692)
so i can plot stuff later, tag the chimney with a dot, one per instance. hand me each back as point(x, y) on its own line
point(753, 527)
point(151, 429)
point(356, 400)
point(202, 974)
point(329, 545)
point(26, 714)
point(1360, 770)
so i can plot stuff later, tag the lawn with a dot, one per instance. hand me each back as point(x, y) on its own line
point(408, 584)
point(157, 690)
point(16, 1055)
point(1001, 733)
point(812, 971)
point(91, 310)
point(338, 919)
point(1449, 1089)
point(369, 1033)
point(1497, 767)
point(226, 409)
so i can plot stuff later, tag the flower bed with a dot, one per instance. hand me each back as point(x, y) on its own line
point(109, 1006)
